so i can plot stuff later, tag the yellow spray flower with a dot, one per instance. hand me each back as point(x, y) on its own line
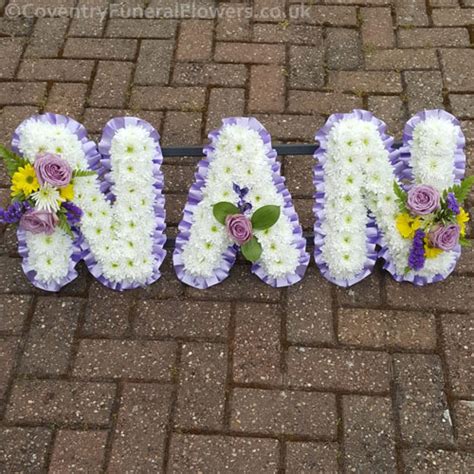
point(67, 193)
point(431, 252)
point(407, 225)
point(462, 218)
point(24, 181)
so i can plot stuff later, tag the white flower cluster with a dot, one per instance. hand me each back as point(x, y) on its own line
point(239, 158)
point(358, 175)
point(120, 235)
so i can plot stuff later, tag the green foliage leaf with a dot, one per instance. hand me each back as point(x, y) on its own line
point(222, 209)
point(83, 173)
point(12, 160)
point(401, 197)
point(265, 217)
point(252, 250)
point(64, 224)
point(18, 197)
point(465, 242)
point(461, 191)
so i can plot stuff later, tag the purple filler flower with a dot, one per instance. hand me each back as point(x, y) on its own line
point(416, 259)
point(52, 169)
point(73, 213)
point(39, 222)
point(239, 228)
point(445, 237)
point(452, 203)
point(423, 200)
point(13, 213)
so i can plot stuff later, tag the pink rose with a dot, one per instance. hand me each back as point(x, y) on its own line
point(445, 237)
point(39, 222)
point(239, 228)
point(52, 169)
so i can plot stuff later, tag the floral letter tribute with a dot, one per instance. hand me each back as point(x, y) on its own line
point(414, 197)
point(72, 202)
point(239, 200)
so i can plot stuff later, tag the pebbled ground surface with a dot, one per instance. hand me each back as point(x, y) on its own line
point(242, 377)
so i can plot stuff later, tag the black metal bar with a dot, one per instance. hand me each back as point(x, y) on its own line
point(282, 149)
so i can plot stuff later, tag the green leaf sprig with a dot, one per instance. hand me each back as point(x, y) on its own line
point(12, 160)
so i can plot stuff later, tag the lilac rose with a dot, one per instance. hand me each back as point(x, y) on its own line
point(423, 200)
point(52, 169)
point(39, 222)
point(239, 228)
point(445, 237)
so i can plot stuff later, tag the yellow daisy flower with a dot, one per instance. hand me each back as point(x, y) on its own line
point(67, 193)
point(24, 181)
point(407, 225)
point(431, 252)
point(462, 218)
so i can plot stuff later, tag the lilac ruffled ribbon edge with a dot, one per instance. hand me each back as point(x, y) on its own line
point(229, 256)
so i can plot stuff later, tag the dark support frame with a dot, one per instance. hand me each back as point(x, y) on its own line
point(305, 149)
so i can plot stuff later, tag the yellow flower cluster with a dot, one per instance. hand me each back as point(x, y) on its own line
point(462, 218)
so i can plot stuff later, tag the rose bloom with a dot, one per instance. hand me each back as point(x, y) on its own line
point(39, 222)
point(239, 228)
point(423, 200)
point(445, 237)
point(52, 169)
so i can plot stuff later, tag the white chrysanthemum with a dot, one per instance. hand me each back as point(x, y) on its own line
point(47, 198)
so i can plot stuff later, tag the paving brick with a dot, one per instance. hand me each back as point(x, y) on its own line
point(178, 178)
point(47, 38)
point(411, 13)
point(228, 75)
point(195, 40)
point(457, 70)
point(8, 350)
point(306, 67)
point(269, 10)
point(240, 285)
point(424, 414)
point(10, 54)
point(14, 311)
point(179, 125)
point(60, 70)
point(168, 98)
point(224, 101)
point(154, 62)
point(453, 294)
point(462, 105)
point(421, 460)
point(291, 33)
point(191, 319)
point(92, 26)
point(202, 386)
point(78, 451)
point(267, 89)
point(58, 401)
point(291, 127)
point(199, 453)
point(365, 81)
point(331, 15)
point(100, 48)
point(391, 110)
point(458, 346)
point(304, 209)
point(175, 202)
point(401, 59)
point(298, 173)
point(111, 84)
point(338, 369)
point(125, 359)
point(424, 90)
point(231, 26)
point(140, 28)
point(67, 98)
point(15, 26)
point(308, 102)
point(369, 435)
point(249, 53)
point(377, 28)
point(464, 419)
point(257, 343)
point(140, 432)
point(384, 328)
point(12, 116)
point(453, 16)
point(22, 93)
point(24, 449)
point(343, 48)
point(311, 457)
point(432, 37)
point(284, 412)
point(49, 344)
point(365, 293)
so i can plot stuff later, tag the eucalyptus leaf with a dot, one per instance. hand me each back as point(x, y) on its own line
point(252, 250)
point(222, 209)
point(265, 217)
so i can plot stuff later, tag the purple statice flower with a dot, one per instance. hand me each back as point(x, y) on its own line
point(73, 213)
point(13, 213)
point(452, 203)
point(243, 205)
point(416, 259)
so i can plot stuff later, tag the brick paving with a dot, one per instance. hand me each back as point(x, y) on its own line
point(241, 377)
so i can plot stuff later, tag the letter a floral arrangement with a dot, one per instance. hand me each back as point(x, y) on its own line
point(73, 200)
